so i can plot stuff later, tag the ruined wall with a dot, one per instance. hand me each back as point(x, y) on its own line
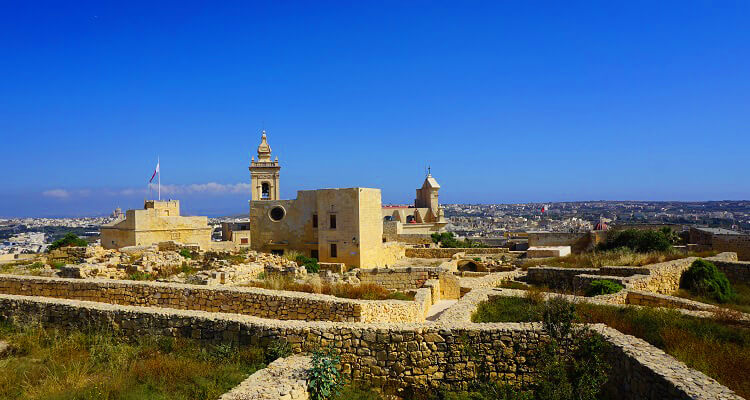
point(736, 271)
point(739, 244)
point(283, 305)
point(391, 356)
point(448, 252)
point(579, 242)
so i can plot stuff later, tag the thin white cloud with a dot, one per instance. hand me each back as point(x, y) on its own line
point(210, 188)
point(57, 193)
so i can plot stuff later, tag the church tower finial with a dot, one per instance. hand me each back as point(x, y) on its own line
point(264, 150)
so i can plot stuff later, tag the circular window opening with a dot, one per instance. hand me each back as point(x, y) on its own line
point(277, 213)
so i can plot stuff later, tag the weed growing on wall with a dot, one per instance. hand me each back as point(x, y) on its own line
point(602, 286)
point(324, 379)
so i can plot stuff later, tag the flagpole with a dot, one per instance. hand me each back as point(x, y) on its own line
point(158, 163)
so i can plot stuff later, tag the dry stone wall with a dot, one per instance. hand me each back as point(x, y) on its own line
point(736, 271)
point(389, 355)
point(283, 379)
point(448, 252)
point(411, 278)
point(283, 305)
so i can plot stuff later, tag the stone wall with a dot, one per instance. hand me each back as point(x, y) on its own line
point(387, 355)
point(739, 244)
point(283, 379)
point(448, 252)
point(283, 305)
point(736, 271)
point(556, 277)
point(661, 300)
point(579, 242)
point(410, 278)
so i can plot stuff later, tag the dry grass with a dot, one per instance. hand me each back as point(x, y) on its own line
point(740, 303)
point(314, 284)
point(617, 257)
point(55, 364)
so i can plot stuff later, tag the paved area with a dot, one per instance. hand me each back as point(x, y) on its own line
point(438, 309)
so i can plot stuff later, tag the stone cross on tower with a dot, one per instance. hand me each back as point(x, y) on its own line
point(264, 173)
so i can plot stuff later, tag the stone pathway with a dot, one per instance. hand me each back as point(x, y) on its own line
point(437, 309)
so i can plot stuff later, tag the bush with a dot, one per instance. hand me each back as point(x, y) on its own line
point(602, 286)
point(704, 279)
point(642, 241)
point(448, 240)
point(278, 349)
point(185, 253)
point(311, 264)
point(70, 239)
point(324, 379)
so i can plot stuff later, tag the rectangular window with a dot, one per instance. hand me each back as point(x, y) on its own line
point(334, 251)
point(278, 252)
point(314, 254)
point(333, 221)
point(243, 240)
point(315, 220)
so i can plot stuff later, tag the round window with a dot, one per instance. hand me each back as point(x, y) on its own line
point(277, 213)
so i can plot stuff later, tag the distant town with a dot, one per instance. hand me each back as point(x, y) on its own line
point(32, 235)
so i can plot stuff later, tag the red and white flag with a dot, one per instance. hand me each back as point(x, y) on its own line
point(156, 171)
point(544, 207)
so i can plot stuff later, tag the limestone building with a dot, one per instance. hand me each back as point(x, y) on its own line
point(158, 221)
point(332, 225)
point(424, 218)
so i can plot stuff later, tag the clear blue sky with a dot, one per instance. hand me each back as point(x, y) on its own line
point(507, 101)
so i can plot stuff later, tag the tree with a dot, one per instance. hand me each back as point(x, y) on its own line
point(70, 239)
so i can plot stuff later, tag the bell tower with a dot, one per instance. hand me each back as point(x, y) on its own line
point(264, 173)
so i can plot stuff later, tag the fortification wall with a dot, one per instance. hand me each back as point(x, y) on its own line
point(387, 355)
point(736, 271)
point(282, 305)
point(578, 241)
point(448, 252)
point(739, 244)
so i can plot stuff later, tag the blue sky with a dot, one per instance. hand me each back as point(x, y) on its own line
point(507, 101)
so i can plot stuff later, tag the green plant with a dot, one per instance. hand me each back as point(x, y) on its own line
point(477, 259)
point(603, 286)
point(638, 240)
point(141, 276)
point(185, 253)
point(36, 265)
point(279, 348)
point(70, 239)
point(324, 379)
point(448, 240)
point(310, 264)
point(58, 264)
point(703, 278)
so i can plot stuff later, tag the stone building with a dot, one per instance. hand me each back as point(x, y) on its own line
point(332, 225)
point(264, 173)
point(407, 223)
point(158, 221)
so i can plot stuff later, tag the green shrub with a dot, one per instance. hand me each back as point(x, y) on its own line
point(278, 349)
point(58, 264)
point(185, 253)
point(36, 265)
point(477, 259)
point(70, 239)
point(603, 286)
point(324, 379)
point(704, 279)
point(141, 276)
point(311, 264)
point(639, 240)
point(448, 240)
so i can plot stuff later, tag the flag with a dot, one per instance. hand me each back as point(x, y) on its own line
point(544, 208)
point(156, 171)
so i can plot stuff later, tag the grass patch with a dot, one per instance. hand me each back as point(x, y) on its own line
point(619, 257)
point(508, 284)
point(48, 363)
point(741, 301)
point(719, 350)
point(367, 291)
